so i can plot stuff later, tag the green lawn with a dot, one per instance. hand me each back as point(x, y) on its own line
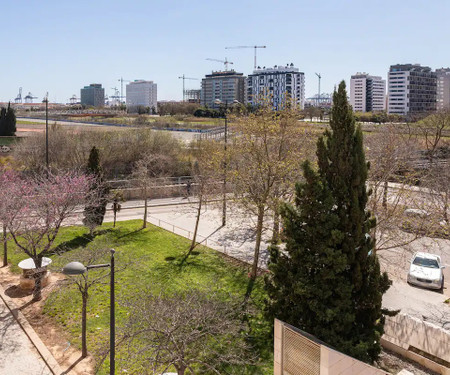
point(156, 264)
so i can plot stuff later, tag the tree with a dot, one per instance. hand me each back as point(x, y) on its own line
point(95, 211)
point(328, 281)
point(38, 207)
point(144, 173)
point(195, 331)
point(7, 122)
point(8, 180)
point(434, 128)
point(117, 199)
point(88, 256)
point(264, 161)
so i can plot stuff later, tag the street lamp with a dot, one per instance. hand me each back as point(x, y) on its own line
point(77, 268)
point(46, 130)
point(224, 209)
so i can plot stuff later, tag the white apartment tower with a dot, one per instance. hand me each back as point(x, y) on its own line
point(443, 88)
point(367, 93)
point(142, 93)
point(277, 82)
point(411, 89)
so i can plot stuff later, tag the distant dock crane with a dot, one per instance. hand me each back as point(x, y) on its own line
point(18, 98)
point(184, 78)
point(224, 62)
point(121, 80)
point(254, 47)
point(29, 98)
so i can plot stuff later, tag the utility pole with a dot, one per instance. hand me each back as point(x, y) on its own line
point(318, 96)
point(46, 130)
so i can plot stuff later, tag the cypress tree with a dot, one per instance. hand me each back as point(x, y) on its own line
point(3, 123)
point(95, 210)
point(10, 121)
point(328, 281)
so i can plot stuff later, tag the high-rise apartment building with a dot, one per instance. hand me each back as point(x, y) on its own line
point(411, 89)
point(367, 93)
point(277, 84)
point(225, 86)
point(443, 88)
point(93, 95)
point(142, 93)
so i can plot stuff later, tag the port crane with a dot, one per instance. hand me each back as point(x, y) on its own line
point(254, 47)
point(18, 98)
point(121, 80)
point(184, 78)
point(29, 98)
point(224, 62)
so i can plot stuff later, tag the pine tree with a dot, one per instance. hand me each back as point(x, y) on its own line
point(328, 282)
point(95, 210)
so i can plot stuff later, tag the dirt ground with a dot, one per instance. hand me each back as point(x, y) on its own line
point(68, 357)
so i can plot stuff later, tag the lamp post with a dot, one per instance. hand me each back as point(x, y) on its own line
point(77, 268)
point(224, 208)
point(46, 130)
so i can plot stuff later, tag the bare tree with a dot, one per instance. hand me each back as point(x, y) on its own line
point(264, 161)
point(37, 210)
point(144, 173)
point(193, 331)
point(87, 256)
point(433, 129)
point(204, 177)
point(8, 179)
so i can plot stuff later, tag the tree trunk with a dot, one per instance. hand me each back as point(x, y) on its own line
point(385, 194)
point(276, 226)
point(180, 370)
point(145, 213)
point(197, 221)
point(37, 276)
point(259, 228)
point(84, 352)
point(115, 215)
point(5, 247)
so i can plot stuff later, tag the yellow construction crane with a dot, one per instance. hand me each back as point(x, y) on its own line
point(254, 47)
point(224, 62)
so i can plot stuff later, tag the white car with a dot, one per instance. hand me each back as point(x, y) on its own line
point(426, 271)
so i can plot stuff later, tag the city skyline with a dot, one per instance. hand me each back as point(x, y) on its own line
point(62, 47)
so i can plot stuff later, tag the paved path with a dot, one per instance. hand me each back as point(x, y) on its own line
point(17, 354)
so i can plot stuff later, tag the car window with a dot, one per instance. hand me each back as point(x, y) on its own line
point(424, 262)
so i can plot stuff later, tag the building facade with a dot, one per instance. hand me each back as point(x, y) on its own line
point(93, 95)
point(443, 88)
point(367, 93)
point(412, 89)
point(142, 93)
point(226, 86)
point(277, 84)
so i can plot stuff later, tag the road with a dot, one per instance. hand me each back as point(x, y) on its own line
point(181, 135)
point(237, 239)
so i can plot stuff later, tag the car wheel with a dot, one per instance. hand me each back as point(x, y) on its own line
point(441, 289)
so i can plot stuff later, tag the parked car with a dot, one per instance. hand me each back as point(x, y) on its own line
point(426, 271)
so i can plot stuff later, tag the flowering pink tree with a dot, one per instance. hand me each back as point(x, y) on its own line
point(38, 206)
point(8, 178)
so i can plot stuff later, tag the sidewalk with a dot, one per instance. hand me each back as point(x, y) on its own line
point(17, 354)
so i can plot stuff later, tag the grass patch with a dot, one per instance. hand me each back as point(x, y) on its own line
point(156, 257)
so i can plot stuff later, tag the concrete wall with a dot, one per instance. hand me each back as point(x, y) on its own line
point(331, 362)
point(409, 336)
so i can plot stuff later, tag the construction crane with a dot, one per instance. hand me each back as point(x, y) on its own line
point(18, 99)
point(224, 62)
point(121, 80)
point(254, 47)
point(318, 96)
point(184, 78)
point(29, 98)
point(116, 96)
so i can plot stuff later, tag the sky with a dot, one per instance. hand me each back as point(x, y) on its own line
point(60, 46)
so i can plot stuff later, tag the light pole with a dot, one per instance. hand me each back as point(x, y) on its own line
point(46, 130)
point(77, 268)
point(224, 208)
